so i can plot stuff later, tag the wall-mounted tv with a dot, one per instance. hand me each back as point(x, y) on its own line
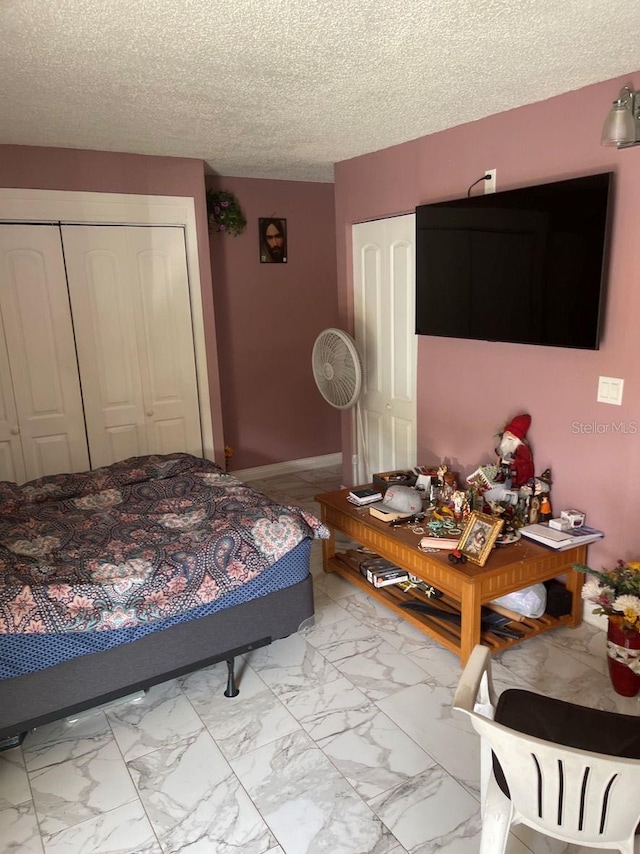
point(526, 266)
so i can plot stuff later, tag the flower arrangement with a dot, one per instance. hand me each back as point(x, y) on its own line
point(225, 213)
point(615, 592)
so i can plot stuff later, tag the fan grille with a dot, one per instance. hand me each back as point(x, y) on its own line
point(336, 368)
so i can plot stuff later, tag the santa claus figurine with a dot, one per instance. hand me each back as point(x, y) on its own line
point(515, 453)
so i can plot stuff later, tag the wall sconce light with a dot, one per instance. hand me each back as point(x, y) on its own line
point(622, 125)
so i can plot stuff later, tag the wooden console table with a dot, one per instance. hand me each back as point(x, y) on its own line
point(466, 587)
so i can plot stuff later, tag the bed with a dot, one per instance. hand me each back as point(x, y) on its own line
point(114, 580)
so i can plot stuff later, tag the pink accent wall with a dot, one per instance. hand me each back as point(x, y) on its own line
point(269, 316)
point(31, 167)
point(468, 391)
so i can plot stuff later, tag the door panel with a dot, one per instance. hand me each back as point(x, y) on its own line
point(166, 339)
point(121, 441)
point(103, 310)
point(130, 297)
point(11, 457)
point(384, 300)
point(39, 344)
point(168, 434)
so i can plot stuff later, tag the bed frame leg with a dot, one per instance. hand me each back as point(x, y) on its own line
point(232, 690)
point(12, 741)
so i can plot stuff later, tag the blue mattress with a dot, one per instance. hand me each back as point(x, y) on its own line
point(20, 654)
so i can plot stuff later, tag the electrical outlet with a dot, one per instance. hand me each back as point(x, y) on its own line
point(490, 183)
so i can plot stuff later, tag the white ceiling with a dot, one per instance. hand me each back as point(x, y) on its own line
point(286, 88)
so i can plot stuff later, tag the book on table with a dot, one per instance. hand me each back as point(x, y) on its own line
point(381, 511)
point(561, 540)
point(364, 495)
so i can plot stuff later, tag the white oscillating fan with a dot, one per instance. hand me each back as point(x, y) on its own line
point(336, 368)
point(337, 371)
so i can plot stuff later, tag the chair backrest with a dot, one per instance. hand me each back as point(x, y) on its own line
point(568, 793)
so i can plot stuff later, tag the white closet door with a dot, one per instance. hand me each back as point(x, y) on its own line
point(11, 457)
point(384, 315)
point(38, 354)
point(130, 299)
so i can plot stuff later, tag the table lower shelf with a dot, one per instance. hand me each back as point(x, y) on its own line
point(440, 629)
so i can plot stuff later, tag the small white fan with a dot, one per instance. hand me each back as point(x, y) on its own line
point(336, 368)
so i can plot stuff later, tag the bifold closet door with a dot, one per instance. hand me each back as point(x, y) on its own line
point(384, 324)
point(42, 428)
point(129, 294)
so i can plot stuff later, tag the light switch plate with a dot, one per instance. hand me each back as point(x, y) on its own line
point(610, 390)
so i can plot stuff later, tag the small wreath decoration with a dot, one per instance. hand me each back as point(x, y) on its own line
point(224, 212)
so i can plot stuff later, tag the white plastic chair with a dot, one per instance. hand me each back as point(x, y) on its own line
point(581, 797)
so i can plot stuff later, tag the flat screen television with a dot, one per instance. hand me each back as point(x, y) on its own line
point(526, 266)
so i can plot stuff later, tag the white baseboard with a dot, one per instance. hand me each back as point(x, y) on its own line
point(596, 620)
point(288, 467)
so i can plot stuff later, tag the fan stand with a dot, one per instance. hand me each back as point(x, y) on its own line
point(360, 467)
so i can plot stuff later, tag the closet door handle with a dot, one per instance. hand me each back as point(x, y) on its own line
point(149, 412)
point(15, 431)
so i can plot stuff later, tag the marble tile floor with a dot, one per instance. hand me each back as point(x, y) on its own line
point(341, 740)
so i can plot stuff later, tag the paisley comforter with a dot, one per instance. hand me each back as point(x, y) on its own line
point(134, 543)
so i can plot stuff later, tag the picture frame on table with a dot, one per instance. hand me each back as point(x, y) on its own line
point(479, 536)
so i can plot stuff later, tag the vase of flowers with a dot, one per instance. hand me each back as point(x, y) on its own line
point(616, 594)
point(224, 212)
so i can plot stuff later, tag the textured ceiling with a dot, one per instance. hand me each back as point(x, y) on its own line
point(286, 88)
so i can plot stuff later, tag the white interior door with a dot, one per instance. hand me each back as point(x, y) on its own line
point(11, 457)
point(130, 298)
point(384, 313)
point(43, 431)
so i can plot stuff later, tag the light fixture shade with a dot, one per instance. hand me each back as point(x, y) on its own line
point(619, 126)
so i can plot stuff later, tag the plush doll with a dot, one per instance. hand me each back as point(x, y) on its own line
point(515, 453)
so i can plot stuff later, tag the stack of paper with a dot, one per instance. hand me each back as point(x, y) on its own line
point(560, 540)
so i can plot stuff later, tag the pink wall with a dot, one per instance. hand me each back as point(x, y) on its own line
point(467, 391)
point(30, 167)
point(268, 318)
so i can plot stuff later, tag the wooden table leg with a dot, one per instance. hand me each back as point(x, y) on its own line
point(469, 622)
point(328, 550)
point(573, 583)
